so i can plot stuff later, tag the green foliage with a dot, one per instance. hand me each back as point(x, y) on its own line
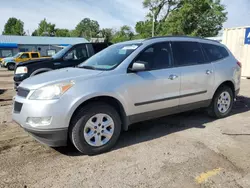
point(87, 28)
point(106, 33)
point(125, 33)
point(203, 18)
point(183, 17)
point(14, 27)
point(144, 28)
point(62, 33)
point(45, 29)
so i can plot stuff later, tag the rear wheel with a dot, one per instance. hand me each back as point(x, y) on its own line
point(11, 66)
point(222, 102)
point(95, 128)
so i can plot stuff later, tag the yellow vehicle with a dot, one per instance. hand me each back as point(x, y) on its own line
point(10, 62)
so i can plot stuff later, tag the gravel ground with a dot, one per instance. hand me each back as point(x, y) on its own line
point(184, 150)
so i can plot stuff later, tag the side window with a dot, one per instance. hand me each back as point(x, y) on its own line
point(34, 55)
point(157, 56)
point(215, 52)
point(187, 53)
point(24, 56)
point(78, 53)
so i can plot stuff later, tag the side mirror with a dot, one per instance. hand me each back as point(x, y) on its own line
point(139, 66)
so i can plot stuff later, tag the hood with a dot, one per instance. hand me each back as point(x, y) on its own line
point(57, 76)
point(40, 60)
point(7, 59)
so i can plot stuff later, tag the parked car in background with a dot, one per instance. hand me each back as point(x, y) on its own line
point(70, 56)
point(11, 62)
point(127, 83)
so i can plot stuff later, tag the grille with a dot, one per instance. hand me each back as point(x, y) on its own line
point(22, 92)
point(17, 107)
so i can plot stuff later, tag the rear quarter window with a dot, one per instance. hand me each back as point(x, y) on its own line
point(214, 52)
point(34, 55)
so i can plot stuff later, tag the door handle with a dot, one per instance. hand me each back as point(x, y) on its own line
point(208, 72)
point(172, 77)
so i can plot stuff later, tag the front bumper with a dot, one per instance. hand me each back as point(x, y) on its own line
point(56, 133)
point(53, 138)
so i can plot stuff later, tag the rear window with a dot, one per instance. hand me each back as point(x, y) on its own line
point(214, 52)
point(187, 53)
point(34, 55)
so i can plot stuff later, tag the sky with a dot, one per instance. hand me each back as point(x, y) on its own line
point(109, 13)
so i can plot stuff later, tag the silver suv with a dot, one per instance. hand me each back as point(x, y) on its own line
point(128, 82)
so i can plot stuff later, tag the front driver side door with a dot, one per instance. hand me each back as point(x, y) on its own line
point(24, 57)
point(155, 91)
point(73, 57)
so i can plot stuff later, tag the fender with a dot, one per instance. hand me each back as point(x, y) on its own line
point(40, 70)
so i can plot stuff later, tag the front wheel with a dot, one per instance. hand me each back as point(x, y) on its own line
point(222, 103)
point(11, 66)
point(95, 128)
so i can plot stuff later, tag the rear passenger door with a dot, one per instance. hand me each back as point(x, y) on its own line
point(196, 71)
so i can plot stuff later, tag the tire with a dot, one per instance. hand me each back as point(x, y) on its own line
point(11, 66)
point(216, 110)
point(78, 127)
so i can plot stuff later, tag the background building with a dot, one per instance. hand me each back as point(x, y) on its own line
point(47, 46)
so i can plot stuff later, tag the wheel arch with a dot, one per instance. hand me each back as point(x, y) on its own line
point(228, 83)
point(11, 62)
point(114, 102)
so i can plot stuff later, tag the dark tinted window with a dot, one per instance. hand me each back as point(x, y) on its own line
point(157, 56)
point(187, 53)
point(25, 55)
point(34, 55)
point(78, 53)
point(215, 52)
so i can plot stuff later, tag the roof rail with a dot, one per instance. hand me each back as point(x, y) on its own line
point(183, 36)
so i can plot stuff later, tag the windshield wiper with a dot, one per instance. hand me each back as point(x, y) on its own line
point(87, 67)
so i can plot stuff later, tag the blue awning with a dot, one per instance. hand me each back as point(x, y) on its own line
point(63, 44)
point(8, 45)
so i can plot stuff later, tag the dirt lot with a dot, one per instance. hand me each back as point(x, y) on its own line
point(184, 150)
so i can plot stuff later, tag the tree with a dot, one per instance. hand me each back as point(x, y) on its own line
point(159, 12)
point(107, 33)
point(45, 29)
point(144, 28)
point(183, 17)
point(202, 18)
point(125, 33)
point(87, 28)
point(14, 27)
point(62, 33)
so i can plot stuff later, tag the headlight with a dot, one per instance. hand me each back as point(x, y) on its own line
point(21, 70)
point(51, 91)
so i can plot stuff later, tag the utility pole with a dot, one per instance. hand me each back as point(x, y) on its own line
point(153, 23)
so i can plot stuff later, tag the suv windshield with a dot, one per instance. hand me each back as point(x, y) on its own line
point(110, 57)
point(61, 52)
point(17, 55)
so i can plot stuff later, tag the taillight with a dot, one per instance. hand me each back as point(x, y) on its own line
point(239, 64)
